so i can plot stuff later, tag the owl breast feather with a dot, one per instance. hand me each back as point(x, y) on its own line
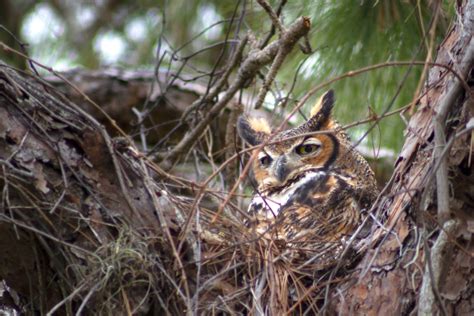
point(271, 204)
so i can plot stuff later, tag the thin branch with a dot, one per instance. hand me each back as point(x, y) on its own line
point(217, 88)
point(270, 77)
point(248, 69)
point(265, 41)
point(273, 16)
point(283, 51)
point(436, 262)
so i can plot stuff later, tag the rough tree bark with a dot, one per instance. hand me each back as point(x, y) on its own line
point(106, 227)
point(424, 263)
point(84, 215)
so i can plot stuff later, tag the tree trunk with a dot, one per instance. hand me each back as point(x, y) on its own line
point(421, 259)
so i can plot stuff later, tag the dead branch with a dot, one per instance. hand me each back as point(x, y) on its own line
point(255, 60)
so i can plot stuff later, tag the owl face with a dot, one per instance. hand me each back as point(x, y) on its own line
point(289, 155)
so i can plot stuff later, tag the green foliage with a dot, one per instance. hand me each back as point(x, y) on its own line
point(349, 35)
point(346, 35)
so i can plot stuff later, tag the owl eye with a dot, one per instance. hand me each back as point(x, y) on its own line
point(306, 149)
point(265, 160)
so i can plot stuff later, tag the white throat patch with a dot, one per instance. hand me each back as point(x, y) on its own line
point(269, 205)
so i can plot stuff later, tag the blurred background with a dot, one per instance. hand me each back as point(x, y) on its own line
point(188, 35)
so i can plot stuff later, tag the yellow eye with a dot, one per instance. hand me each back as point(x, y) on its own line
point(306, 149)
point(265, 160)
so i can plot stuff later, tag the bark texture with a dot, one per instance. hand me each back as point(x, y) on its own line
point(88, 224)
point(63, 187)
point(420, 262)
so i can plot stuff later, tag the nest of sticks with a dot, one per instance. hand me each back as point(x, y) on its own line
point(111, 231)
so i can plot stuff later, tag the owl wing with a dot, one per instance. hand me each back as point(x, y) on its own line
point(327, 211)
point(323, 209)
point(318, 221)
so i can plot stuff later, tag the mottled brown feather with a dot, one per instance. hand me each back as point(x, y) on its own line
point(323, 197)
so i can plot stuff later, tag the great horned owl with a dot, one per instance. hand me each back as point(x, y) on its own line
point(312, 186)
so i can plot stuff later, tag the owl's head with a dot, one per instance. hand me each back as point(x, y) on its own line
point(292, 152)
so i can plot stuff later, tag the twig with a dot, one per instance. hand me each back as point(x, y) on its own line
point(140, 118)
point(283, 51)
point(221, 83)
point(270, 77)
point(74, 87)
point(231, 171)
point(22, 46)
point(273, 16)
point(255, 60)
point(66, 299)
point(265, 41)
point(431, 33)
point(359, 71)
point(120, 175)
point(436, 264)
point(4, 218)
point(150, 186)
point(87, 297)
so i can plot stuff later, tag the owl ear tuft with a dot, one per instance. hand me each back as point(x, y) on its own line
point(324, 105)
point(253, 130)
point(321, 112)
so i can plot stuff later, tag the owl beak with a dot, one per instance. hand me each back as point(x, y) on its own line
point(282, 169)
